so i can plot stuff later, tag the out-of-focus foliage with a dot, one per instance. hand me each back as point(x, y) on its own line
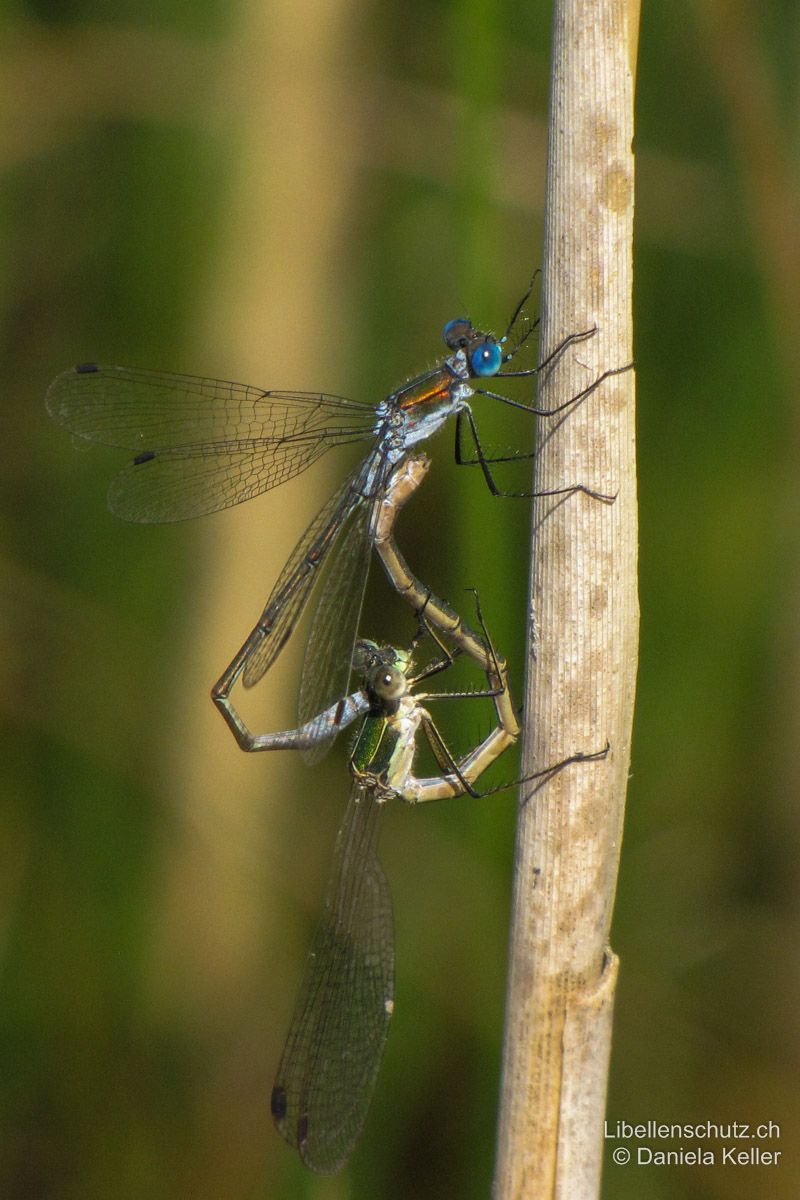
point(301, 196)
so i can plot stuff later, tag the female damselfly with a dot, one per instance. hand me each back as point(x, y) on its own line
point(332, 1054)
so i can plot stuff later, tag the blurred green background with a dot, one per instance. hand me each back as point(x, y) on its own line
point(301, 196)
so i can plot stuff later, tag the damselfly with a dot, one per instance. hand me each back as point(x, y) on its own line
point(330, 1062)
point(332, 1054)
point(202, 445)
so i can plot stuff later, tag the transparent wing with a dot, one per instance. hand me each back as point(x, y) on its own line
point(201, 444)
point(297, 579)
point(333, 1051)
point(328, 658)
point(139, 410)
point(329, 650)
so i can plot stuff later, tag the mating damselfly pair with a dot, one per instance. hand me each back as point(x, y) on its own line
point(202, 445)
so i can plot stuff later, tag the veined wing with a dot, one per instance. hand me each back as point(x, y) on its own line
point(201, 444)
point(328, 658)
point(142, 410)
point(296, 581)
point(333, 1051)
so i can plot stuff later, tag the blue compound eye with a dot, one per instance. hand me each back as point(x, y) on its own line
point(456, 333)
point(486, 358)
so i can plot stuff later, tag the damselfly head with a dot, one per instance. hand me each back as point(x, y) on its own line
point(483, 353)
point(384, 670)
point(387, 683)
point(369, 657)
point(457, 332)
point(485, 356)
point(366, 655)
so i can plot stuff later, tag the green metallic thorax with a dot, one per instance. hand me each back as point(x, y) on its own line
point(378, 746)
